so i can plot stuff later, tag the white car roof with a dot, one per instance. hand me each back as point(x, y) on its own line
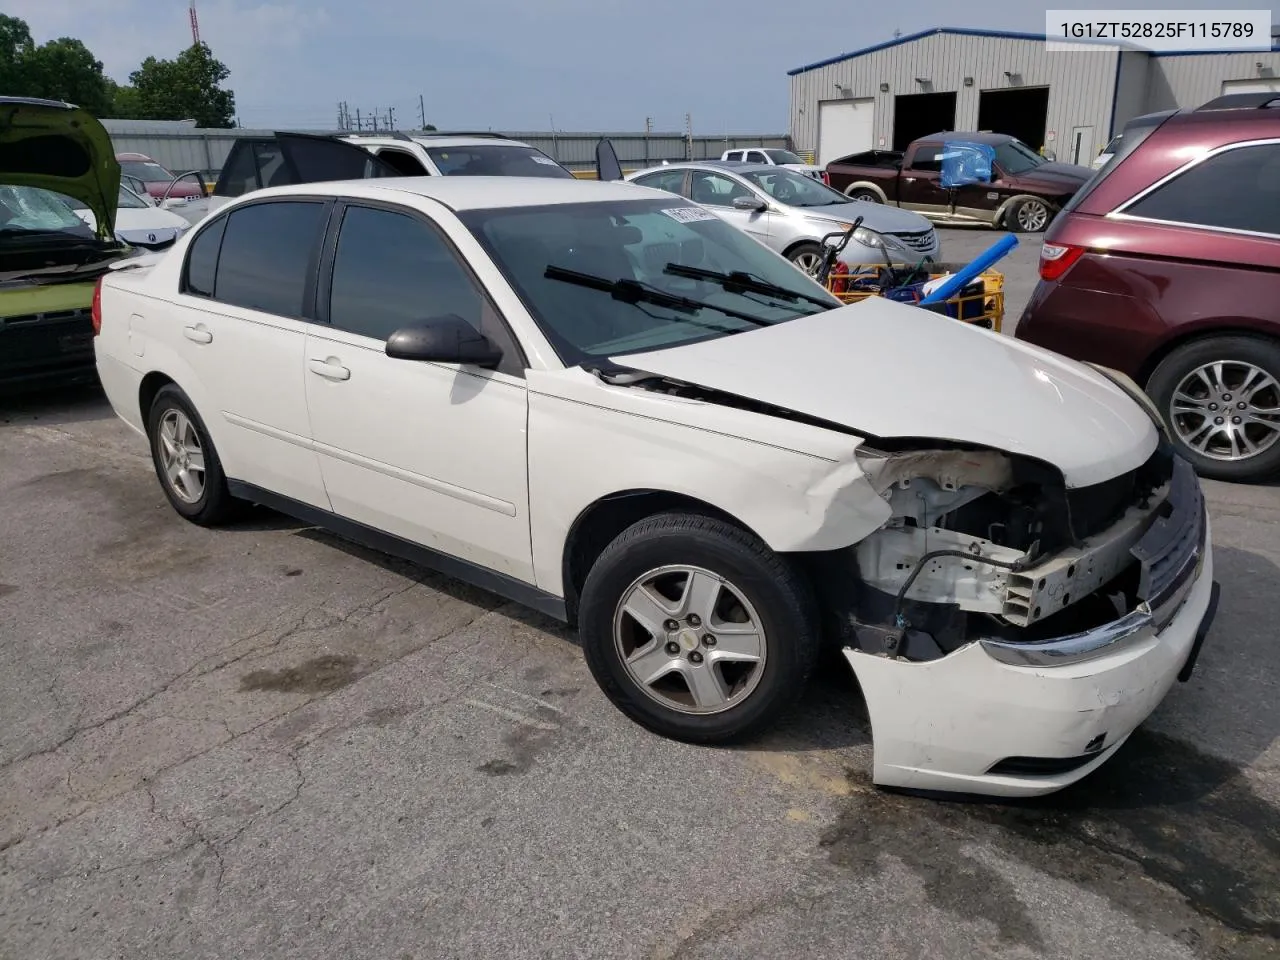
point(430, 141)
point(477, 193)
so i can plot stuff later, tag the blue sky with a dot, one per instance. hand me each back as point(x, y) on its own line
point(508, 64)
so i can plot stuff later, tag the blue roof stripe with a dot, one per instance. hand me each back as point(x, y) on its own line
point(972, 32)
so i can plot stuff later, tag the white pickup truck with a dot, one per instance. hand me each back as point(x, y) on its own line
point(774, 157)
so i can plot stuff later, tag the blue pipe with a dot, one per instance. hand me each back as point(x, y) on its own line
point(958, 281)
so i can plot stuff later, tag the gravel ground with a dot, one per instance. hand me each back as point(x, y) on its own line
point(264, 742)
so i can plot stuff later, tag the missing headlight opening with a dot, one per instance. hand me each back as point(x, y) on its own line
point(983, 545)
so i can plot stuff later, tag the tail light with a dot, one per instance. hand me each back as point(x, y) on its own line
point(95, 312)
point(826, 178)
point(1057, 258)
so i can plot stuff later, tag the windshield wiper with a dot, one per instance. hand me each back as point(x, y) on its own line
point(739, 282)
point(632, 291)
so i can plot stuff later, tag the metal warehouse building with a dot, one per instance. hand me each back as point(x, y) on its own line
point(1070, 103)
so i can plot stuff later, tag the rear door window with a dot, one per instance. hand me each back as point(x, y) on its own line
point(928, 158)
point(266, 254)
point(671, 181)
point(1237, 189)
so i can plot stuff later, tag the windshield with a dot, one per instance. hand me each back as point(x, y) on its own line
point(146, 171)
point(794, 189)
point(127, 198)
point(29, 210)
point(1016, 157)
point(782, 156)
point(636, 240)
point(495, 160)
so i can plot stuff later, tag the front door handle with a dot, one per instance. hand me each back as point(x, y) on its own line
point(330, 369)
point(198, 333)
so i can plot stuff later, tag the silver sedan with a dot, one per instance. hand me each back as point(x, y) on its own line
point(791, 213)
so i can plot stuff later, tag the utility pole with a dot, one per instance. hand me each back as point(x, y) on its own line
point(359, 121)
point(688, 128)
point(648, 126)
point(391, 118)
point(422, 111)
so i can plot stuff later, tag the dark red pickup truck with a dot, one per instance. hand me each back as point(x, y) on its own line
point(1022, 194)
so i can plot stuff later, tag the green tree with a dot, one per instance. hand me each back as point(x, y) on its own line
point(125, 104)
point(186, 88)
point(15, 44)
point(64, 69)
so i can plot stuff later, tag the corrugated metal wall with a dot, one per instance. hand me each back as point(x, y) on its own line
point(1131, 90)
point(1080, 82)
point(1188, 81)
point(180, 148)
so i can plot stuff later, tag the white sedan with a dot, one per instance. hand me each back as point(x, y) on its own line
point(604, 402)
point(139, 223)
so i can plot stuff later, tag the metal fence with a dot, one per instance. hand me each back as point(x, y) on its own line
point(180, 147)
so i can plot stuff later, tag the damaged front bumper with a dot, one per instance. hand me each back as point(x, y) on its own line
point(1005, 718)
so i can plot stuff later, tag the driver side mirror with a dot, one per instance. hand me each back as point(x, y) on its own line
point(753, 204)
point(446, 339)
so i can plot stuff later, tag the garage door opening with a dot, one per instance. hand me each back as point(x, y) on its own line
point(1020, 113)
point(917, 115)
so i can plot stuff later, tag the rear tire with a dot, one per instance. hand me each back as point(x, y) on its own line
point(186, 461)
point(1191, 388)
point(705, 680)
point(862, 193)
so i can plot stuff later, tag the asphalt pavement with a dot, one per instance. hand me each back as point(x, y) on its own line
point(263, 742)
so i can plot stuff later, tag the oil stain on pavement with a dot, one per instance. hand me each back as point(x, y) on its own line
point(1158, 811)
point(318, 675)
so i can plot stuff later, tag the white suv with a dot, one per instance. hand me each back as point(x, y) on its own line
point(604, 402)
point(284, 159)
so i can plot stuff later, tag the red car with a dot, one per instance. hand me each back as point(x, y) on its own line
point(1166, 267)
point(144, 174)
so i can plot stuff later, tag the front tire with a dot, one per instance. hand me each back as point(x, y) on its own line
point(1029, 216)
point(696, 630)
point(806, 256)
point(186, 461)
point(862, 193)
point(1221, 400)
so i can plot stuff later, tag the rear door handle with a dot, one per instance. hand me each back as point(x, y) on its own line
point(198, 333)
point(330, 369)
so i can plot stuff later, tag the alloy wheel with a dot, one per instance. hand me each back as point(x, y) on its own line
point(1032, 216)
point(1227, 410)
point(690, 639)
point(181, 455)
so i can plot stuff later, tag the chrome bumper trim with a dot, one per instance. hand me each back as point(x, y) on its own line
point(1150, 616)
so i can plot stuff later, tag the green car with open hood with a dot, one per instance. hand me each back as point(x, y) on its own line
point(51, 155)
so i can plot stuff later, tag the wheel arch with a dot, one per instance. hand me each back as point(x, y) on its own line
point(1201, 332)
point(867, 185)
point(1000, 219)
point(600, 522)
point(150, 386)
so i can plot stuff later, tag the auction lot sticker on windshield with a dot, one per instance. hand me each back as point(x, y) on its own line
point(545, 161)
point(689, 214)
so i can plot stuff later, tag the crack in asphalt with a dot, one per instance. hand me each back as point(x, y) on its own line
point(194, 672)
point(232, 737)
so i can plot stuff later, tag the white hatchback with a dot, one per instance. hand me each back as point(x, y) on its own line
point(604, 402)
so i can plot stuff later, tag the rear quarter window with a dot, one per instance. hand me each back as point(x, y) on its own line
point(1235, 189)
point(202, 260)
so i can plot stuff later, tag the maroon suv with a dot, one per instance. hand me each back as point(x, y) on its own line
point(1166, 266)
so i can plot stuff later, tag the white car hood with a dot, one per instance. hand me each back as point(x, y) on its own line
point(143, 227)
point(889, 370)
